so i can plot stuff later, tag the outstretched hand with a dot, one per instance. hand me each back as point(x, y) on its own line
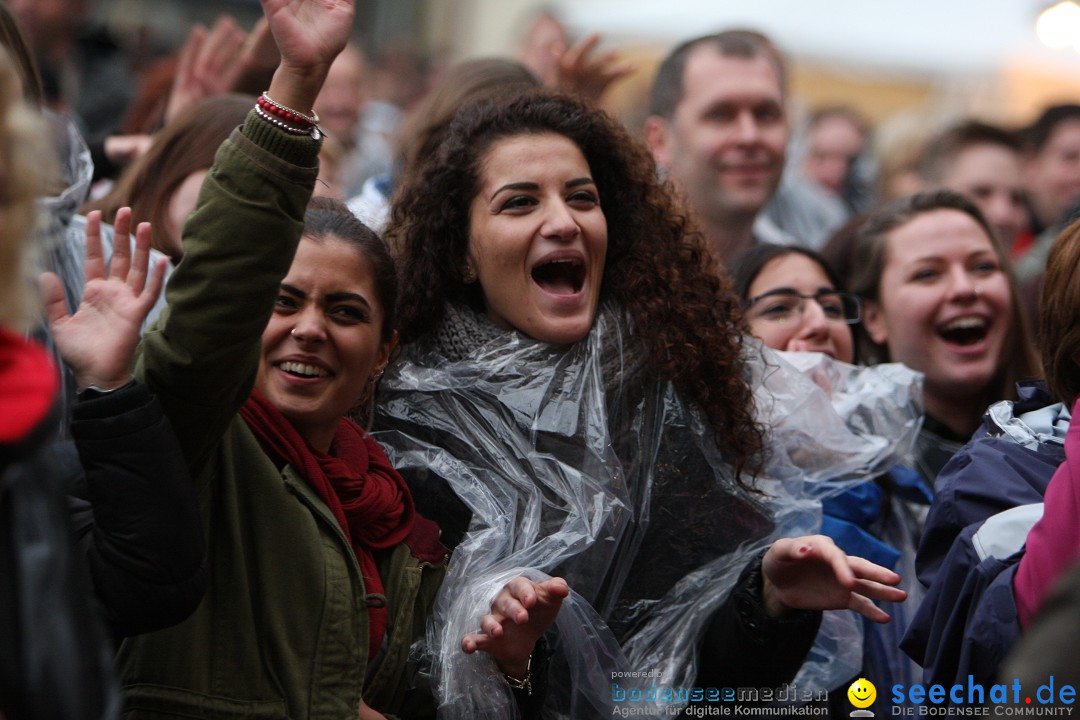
point(812, 573)
point(520, 614)
point(98, 341)
point(587, 75)
point(214, 61)
point(309, 34)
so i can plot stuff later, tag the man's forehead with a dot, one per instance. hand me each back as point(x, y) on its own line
point(710, 71)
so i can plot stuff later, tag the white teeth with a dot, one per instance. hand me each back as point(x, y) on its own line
point(302, 369)
point(966, 323)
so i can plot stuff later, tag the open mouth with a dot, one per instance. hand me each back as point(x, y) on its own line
point(560, 277)
point(965, 331)
point(303, 370)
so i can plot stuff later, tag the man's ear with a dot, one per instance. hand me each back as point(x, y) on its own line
point(874, 322)
point(657, 136)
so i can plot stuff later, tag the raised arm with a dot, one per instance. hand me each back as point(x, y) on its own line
point(202, 358)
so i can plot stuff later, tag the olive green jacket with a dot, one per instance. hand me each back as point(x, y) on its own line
point(282, 631)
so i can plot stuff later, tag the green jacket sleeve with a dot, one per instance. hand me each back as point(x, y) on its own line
point(202, 355)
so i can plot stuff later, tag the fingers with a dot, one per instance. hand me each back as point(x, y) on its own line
point(555, 588)
point(863, 568)
point(472, 643)
point(52, 297)
point(153, 287)
point(95, 259)
point(140, 261)
point(570, 61)
point(864, 607)
point(514, 600)
point(220, 51)
point(121, 255)
point(878, 591)
point(191, 49)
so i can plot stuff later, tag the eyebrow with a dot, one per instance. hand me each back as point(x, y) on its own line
point(330, 297)
point(792, 291)
point(576, 182)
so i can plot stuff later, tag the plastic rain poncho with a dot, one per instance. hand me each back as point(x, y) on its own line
point(573, 461)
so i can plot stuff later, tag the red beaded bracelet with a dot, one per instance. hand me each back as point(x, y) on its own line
point(295, 122)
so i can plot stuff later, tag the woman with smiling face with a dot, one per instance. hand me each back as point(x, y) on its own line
point(793, 301)
point(939, 297)
point(573, 377)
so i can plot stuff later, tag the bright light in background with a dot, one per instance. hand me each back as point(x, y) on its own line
point(1059, 26)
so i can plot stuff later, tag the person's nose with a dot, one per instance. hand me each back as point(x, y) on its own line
point(309, 326)
point(747, 130)
point(559, 222)
point(962, 286)
point(814, 322)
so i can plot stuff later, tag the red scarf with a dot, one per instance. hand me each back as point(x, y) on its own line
point(368, 497)
point(28, 386)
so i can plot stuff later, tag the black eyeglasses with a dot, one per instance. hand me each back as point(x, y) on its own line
point(788, 306)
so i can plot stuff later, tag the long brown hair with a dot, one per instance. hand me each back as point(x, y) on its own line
point(686, 319)
point(184, 146)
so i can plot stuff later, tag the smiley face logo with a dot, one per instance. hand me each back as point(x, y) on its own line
point(862, 693)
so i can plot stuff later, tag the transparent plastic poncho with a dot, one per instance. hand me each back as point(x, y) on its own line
point(574, 462)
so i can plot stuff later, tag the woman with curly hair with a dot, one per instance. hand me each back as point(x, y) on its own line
point(573, 393)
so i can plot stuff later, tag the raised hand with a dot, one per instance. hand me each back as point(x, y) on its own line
point(812, 573)
point(520, 614)
point(309, 35)
point(213, 62)
point(587, 75)
point(98, 341)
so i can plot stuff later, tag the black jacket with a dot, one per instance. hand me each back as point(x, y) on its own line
point(133, 511)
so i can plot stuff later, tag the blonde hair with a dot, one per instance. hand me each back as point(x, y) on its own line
point(24, 152)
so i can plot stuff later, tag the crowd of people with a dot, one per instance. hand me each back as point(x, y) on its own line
point(453, 397)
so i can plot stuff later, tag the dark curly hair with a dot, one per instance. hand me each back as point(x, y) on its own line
point(686, 319)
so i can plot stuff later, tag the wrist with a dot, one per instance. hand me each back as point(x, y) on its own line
point(518, 675)
point(102, 385)
point(298, 88)
point(770, 595)
point(95, 392)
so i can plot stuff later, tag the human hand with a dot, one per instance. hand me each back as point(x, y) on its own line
point(123, 149)
point(309, 34)
point(213, 62)
point(521, 612)
point(366, 713)
point(98, 341)
point(586, 75)
point(812, 573)
point(207, 64)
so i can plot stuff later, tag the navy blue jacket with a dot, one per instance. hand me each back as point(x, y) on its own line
point(985, 500)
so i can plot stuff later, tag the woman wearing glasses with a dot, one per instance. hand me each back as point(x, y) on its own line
point(794, 302)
